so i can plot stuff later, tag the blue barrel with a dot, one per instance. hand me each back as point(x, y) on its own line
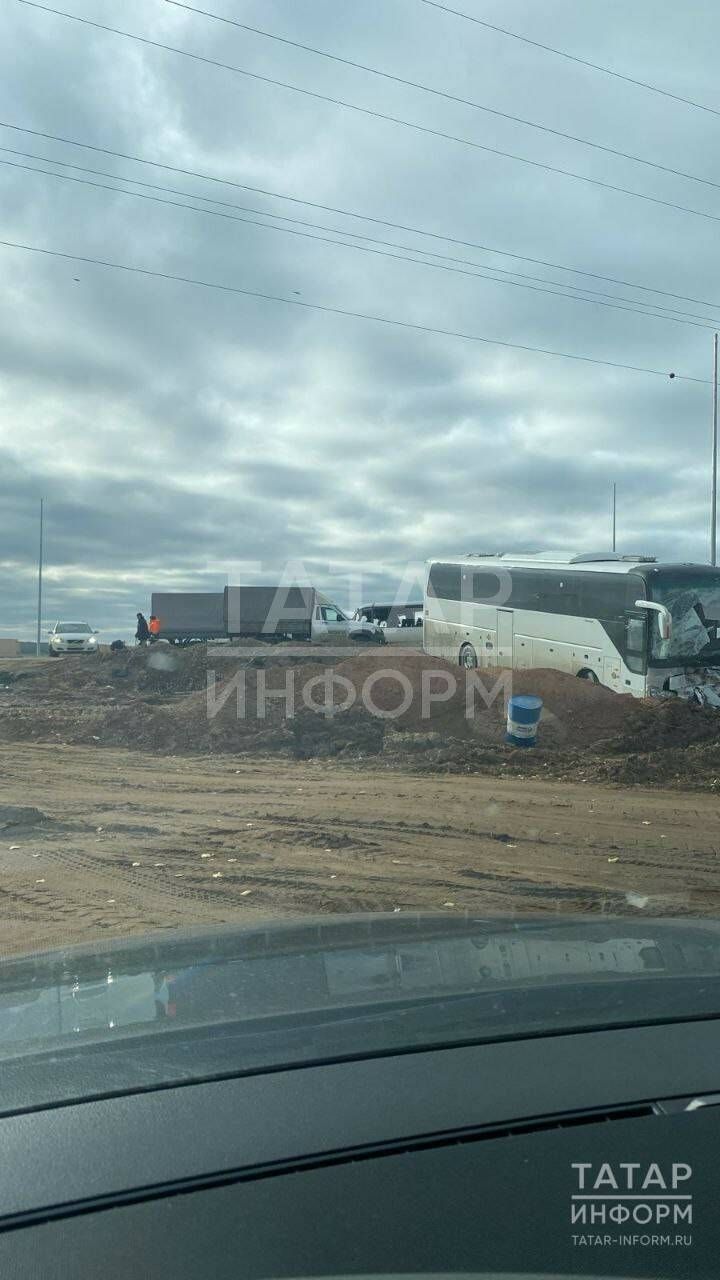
point(522, 720)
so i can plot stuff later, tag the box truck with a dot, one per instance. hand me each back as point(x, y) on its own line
point(270, 613)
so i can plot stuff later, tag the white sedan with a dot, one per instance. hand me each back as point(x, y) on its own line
point(72, 637)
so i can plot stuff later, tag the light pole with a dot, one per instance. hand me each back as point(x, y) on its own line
point(40, 569)
point(614, 502)
point(714, 497)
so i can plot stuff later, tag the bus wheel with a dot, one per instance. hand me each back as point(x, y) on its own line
point(468, 657)
point(588, 675)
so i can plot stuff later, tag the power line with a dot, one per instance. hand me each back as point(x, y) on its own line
point(342, 311)
point(676, 318)
point(343, 231)
point(441, 93)
point(571, 57)
point(377, 115)
point(327, 208)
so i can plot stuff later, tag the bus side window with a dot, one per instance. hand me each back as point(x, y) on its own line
point(558, 594)
point(444, 581)
point(486, 587)
point(603, 596)
point(569, 598)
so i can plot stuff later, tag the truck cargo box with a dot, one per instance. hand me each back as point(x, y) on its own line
point(268, 611)
point(189, 615)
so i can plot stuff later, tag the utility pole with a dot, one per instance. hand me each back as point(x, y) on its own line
point(614, 504)
point(714, 498)
point(40, 569)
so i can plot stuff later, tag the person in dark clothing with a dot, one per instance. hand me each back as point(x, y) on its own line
point(142, 634)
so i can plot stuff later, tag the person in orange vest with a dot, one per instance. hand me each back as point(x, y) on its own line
point(154, 628)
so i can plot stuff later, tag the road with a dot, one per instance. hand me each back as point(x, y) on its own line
point(130, 843)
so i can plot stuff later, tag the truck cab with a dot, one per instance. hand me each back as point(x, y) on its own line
point(330, 623)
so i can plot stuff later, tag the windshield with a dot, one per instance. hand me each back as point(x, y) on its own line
point(311, 399)
point(693, 598)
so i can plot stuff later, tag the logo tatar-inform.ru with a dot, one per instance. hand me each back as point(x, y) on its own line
point(631, 1193)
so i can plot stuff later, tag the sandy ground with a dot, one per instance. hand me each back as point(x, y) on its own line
point(130, 843)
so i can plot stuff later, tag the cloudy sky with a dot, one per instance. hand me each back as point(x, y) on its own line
point(183, 436)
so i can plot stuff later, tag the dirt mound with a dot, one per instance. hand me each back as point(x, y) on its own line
point(423, 694)
point(158, 674)
point(163, 669)
point(405, 694)
point(112, 676)
point(666, 725)
point(354, 733)
point(269, 705)
point(410, 692)
point(583, 712)
point(419, 712)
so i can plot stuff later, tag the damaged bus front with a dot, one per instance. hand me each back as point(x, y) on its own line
point(684, 631)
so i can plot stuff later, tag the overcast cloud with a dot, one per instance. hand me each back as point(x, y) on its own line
point(182, 437)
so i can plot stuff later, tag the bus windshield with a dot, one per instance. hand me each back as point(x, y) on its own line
point(693, 598)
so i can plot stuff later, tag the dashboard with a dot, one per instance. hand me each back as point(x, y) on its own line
point(480, 1159)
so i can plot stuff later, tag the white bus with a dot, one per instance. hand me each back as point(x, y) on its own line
point(624, 621)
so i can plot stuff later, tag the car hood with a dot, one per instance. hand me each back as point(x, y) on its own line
point(333, 964)
point(179, 1008)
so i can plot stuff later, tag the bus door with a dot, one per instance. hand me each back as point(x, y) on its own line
point(504, 638)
